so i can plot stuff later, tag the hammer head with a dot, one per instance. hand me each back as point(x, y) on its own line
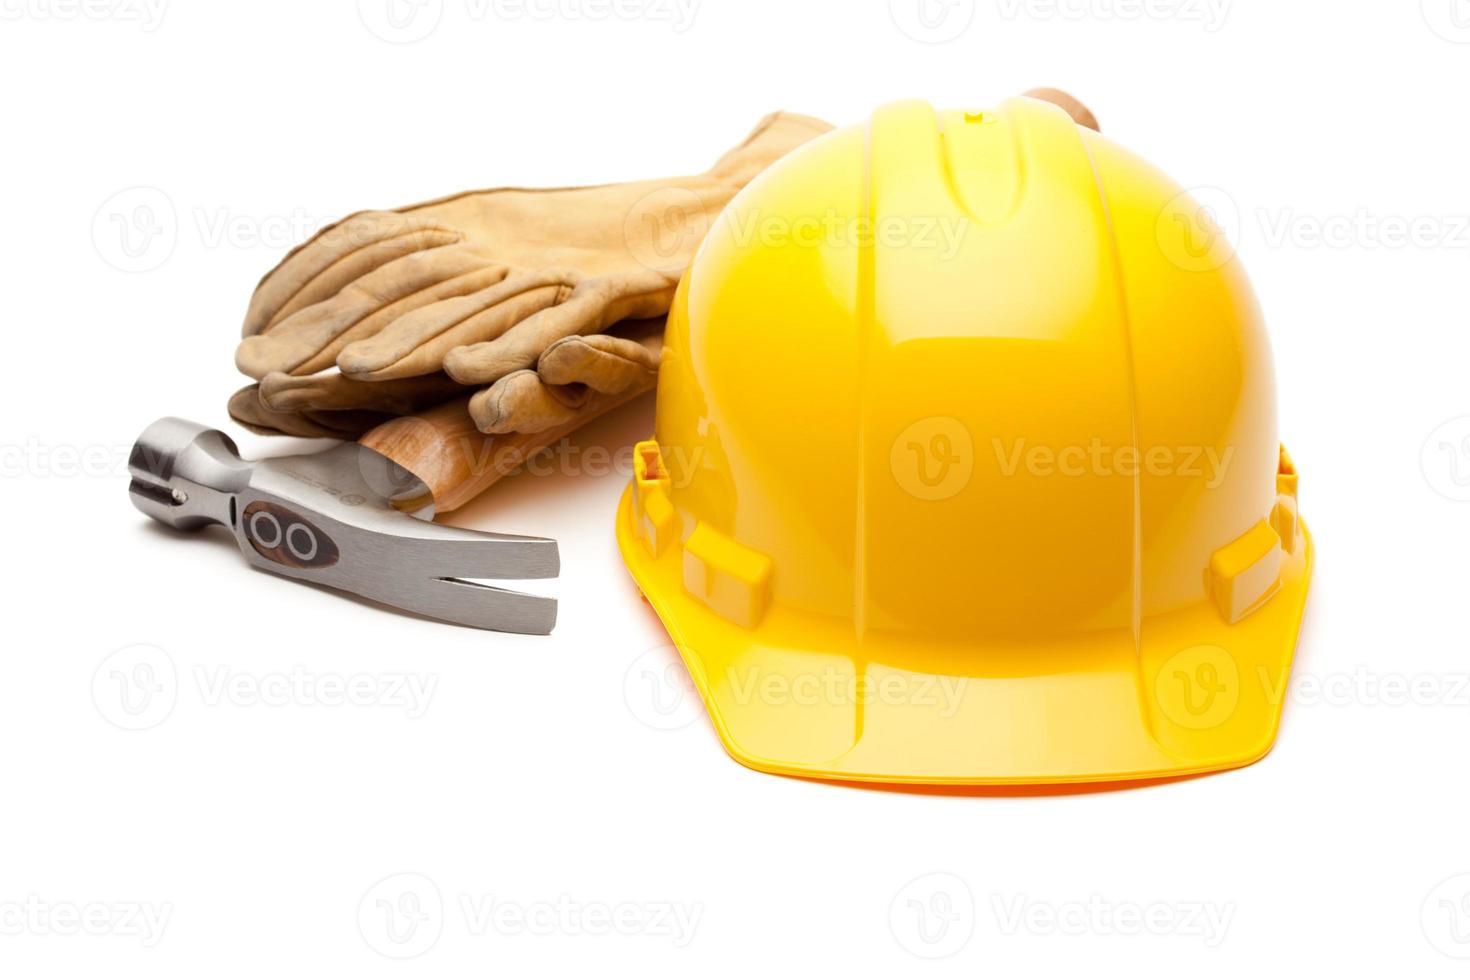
point(329, 518)
point(182, 473)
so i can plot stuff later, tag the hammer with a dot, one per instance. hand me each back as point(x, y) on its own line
point(357, 517)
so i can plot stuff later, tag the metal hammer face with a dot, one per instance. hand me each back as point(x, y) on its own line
point(328, 518)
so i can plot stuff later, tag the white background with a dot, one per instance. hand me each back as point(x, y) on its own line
point(258, 829)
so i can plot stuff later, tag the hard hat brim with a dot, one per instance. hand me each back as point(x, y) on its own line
point(797, 695)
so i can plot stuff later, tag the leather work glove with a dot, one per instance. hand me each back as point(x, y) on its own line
point(335, 407)
point(246, 408)
point(388, 312)
point(567, 380)
point(569, 374)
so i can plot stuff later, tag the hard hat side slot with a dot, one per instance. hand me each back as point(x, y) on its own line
point(1246, 572)
point(1284, 517)
point(733, 580)
point(655, 513)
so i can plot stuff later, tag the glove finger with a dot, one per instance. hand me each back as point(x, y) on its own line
point(418, 342)
point(326, 358)
point(335, 256)
point(533, 401)
point(591, 307)
point(332, 392)
point(585, 310)
point(522, 402)
point(601, 361)
point(299, 342)
point(245, 407)
point(353, 268)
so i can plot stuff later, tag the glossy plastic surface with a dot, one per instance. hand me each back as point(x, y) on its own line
point(966, 466)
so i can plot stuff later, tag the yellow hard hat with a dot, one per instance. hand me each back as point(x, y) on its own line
point(966, 468)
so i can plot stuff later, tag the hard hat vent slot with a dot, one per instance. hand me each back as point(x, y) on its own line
point(1284, 516)
point(653, 463)
point(651, 497)
point(729, 578)
point(1246, 572)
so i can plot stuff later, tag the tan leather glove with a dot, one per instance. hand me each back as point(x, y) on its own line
point(569, 374)
point(478, 285)
point(331, 405)
point(319, 277)
point(246, 408)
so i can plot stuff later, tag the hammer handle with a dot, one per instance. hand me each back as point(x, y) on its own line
point(456, 461)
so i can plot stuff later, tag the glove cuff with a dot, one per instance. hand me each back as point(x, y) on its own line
point(773, 137)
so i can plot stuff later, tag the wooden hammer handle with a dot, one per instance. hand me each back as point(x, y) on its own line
point(1068, 103)
point(456, 461)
